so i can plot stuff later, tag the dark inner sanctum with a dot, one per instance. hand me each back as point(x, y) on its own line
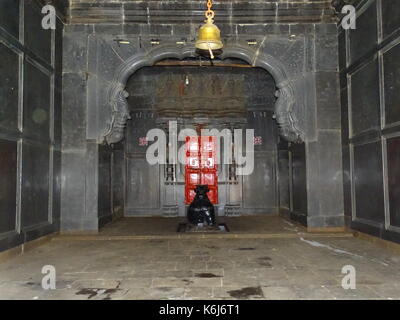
point(217, 98)
point(160, 149)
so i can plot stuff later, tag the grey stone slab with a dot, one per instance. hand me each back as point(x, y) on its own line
point(9, 85)
point(75, 50)
point(392, 85)
point(368, 182)
point(73, 190)
point(365, 37)
point(326, 51)
point(393, 156)
point(9, 16)
point(299, 178)
point(73, 112)
point(36, 38)
point(342, 50)
point(390, 12)
point(344, 112)
point(8, 189)
point(283, 167)
point(36, 113)
point(35, 185)
point(365, 103)
point(104, 181)
point(330, 173)
point(328, 101)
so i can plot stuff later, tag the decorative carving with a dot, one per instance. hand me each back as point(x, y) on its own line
point(223, 98)
point(285, 117)
point(119, 117)
point(285, 108)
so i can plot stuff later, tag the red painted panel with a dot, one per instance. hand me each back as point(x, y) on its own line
point(193, 177)
point(193, 161)
point(213, 194)
point(201, 167)
point(208, 178)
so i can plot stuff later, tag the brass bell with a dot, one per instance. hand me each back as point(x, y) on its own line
point(209, 39)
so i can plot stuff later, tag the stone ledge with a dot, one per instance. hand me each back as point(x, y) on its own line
point(191, 236)
point(21, 249)
point(327, 229)
point(393, 246)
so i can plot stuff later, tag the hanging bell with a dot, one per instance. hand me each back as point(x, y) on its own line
point(209, 39)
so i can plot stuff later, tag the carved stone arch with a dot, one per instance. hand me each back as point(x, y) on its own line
point(285, 110)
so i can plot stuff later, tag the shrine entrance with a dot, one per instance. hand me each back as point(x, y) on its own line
point(201, 167)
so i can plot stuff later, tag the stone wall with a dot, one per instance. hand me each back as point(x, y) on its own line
point(301, 55)
point(370, 86)
point(30, 124)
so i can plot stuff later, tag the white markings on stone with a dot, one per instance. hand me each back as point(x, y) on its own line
point(321, 245)
point(340, 251)
point(287, 222)
point(294, 229)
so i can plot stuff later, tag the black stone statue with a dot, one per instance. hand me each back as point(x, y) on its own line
point(201, 210)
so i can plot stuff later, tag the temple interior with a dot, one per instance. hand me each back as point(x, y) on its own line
point(143, 159)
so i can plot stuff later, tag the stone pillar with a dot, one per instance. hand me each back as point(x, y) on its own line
point(323, 151)
point(80, 157)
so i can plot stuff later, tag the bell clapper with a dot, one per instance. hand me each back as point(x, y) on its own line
point(209, 49)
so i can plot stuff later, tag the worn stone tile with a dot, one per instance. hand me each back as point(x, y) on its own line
point(240, 281)
point(186, 282)
point(199, 259)
point(73, 276)
point(143, 274)
point(20, 291)
point(220, 265)
point(360, 293)
point(161, 293)
point(136, 283)
point(157, 266)
point(176, 274)
point(238, 292)
point(386, 291)
point(102, 294)
point(198, 293)
point(241, 268)
point(95, 283)
point(62, 294)
point(311, 278)
point(313, 293)
point(272, 277)
point(279, 293)
point(201, 265)
point(209, 273)
point(118, 275)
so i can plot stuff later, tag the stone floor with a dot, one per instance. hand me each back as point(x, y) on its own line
point(251, 224)
point(291, 265)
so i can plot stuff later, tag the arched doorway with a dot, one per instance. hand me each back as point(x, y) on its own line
point(229, 95)
point(285, 111)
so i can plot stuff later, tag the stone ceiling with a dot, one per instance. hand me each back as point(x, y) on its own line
point(183, 11)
